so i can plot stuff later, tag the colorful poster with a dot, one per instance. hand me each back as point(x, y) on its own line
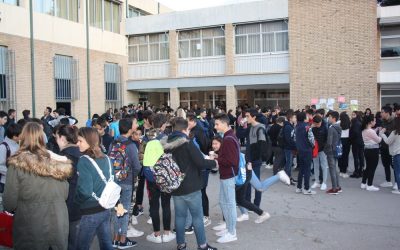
point(314, 101)
point(341, 99)
point(330, 103)
point(343, 106)
point(354, 105)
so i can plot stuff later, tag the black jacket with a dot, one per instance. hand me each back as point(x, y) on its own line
point(273, 133)
point(355, 133)
point(190, 161)
point(201, 138)
point(320, 135)
point(72, 153)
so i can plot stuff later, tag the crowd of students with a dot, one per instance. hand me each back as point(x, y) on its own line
point(53, 173)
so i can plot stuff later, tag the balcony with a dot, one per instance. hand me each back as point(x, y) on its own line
point(204, 66)
point(261, 63)
point(148, 70)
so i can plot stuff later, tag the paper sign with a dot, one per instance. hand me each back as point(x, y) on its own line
point(343, 106)
point(341, 99)
point(322, 101)
point(314, 101)
point(354, 102)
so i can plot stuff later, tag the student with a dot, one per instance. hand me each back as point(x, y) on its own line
point(106, 139)
point(3, 121)
point(7, 149)
point(320, 162)
point(388, 124)
point(357, 143)
point(343, 161)
point(114, 126)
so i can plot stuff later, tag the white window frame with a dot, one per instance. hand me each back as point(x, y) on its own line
point(148, 49)
point(380, 52)
point(112, 16)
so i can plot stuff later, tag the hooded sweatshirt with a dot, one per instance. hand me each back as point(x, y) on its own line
point(334, 135)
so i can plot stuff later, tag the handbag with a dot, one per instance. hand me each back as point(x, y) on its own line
point(6, 226)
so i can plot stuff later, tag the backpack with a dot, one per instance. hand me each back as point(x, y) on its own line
point(338, 150)
point(118, 159)
point(266, 146)
point(8, 150)
point(240, 178)
point(111, 192)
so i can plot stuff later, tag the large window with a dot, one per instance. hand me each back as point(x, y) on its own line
point(7, 78)
point(267, 37)
point(66, 78)
point(135, 12)
point(105, 14)
point(202, 43)
point(67, 9)
point(390, 41)
point(145, 48)
point(13, 2)
point(112, 82)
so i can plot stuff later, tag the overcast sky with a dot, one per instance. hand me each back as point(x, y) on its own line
point(196, 4)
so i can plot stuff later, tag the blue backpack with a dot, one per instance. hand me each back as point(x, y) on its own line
point(240, 178)
point(338, 150)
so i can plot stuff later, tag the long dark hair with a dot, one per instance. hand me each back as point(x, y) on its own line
point(92, 138)
point(344, 120)
point(70, 133)
point(367, 120)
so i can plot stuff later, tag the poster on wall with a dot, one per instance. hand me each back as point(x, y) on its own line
point(330, 103)
point(343, 106)
point(341, 99)
point(354, 105)
point(322, 103)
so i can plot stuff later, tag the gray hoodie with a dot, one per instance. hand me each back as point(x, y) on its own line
point(334, 134)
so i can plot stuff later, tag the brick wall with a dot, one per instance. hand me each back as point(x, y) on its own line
point(333, 51)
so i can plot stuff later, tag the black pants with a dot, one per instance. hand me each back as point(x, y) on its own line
point(154, 201)
point(140, 189)
point(386, 161)
point(279, 159)
point(343, 161)
point(358, 155)
point(241, 199)
point(204, 197)
point(372, 159)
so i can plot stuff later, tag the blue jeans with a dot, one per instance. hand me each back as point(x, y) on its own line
point(227, 202)
point(304, 159)
point(257, 197)
point(192, 203)
point(396, 166)
point(121, 223)
point(95, 224)
point(72, 236)
point(265, 184)
point(288, 161)
point(321, 160)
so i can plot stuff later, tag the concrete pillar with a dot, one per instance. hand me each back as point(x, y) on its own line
point(174, 98)
point(229, 49)
point(173, 54)
point(231, 98)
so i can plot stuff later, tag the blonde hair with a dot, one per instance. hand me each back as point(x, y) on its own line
point(32, 140)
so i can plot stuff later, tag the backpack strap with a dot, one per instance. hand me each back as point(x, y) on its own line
point(8, 154)
point(238, 147)
point(103, 178)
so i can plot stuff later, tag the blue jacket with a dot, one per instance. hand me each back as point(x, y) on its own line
point(302, 143)
point(289, 144)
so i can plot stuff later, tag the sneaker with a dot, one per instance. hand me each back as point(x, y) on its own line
point(299, 190)
point(315, 185)
point(332, 191)
point(355, 175)
point(293, 180)
point(395, 187)
point(168, 237)
point(149, 221)
point(115, 243)
point(221, 233)
point(207, 221)
point(133, 232)
point(189, 230)
point(269, 166)
point(309, 192)
point(183, 247)
point(284, 177)
point(134, 220)
point(386, 184)
point(372, 188)
point(345, 175)
point(395, 191)
point(242, 217)
point(220, 226)
point(127, 244)
point(323, 187)
point(227, 238)
point(265, 216)
point(208, 247)
point(339, 190)
point(363, 186)
point(137, 211)
point(154, 238)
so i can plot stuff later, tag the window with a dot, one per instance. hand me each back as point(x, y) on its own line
point(202, 43)
point(390, 41)
point(13, 2)
point(66, 78)
point(7, 79)
point(112, 81)
point(135, 12)
point(105, 14)
point(67, 9)
point(154, 47)
point(268, 37)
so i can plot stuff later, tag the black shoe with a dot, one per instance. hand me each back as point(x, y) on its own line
point(127, 244)
point(293, 180)
point(189, 230)
point(354, 175)
point(208, 247)
point(181, 247)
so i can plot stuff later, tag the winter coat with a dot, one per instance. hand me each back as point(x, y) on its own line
point(334, 133)
point(289, 143)
point(36, 190)
point(355, 133)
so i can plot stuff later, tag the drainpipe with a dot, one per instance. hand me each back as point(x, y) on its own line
point(32, 58)
point(87, 58)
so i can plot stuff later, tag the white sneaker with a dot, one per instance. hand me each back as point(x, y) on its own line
point(168, 237)
point(227, 238)
point(345, 175)
point(395, 187)
point(242, 217)
point(153, 238)
point(396, 192)
point(207, 221)
point(220, 226)
point(315, 185)
point(372, 188)
point(133, 232)
point(299, 190)
point(149, 221)
point(134, 220)
point(269, 166)
point(309, 192)
point(265, 216)
point(363, 186)
point(222, 232)
point(386, 184)
point(323, 187)
point(284, 177)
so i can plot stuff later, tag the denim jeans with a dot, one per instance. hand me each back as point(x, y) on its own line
point(396, 166)
point(72, 236)
point(321, 161)
point(95, 224)
point(304, 159)
point(333, 171)
point(227, 203)
point(190, 202)
point(257, 196)
point(265, 184)
point(288, 161)
point(121, 223)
